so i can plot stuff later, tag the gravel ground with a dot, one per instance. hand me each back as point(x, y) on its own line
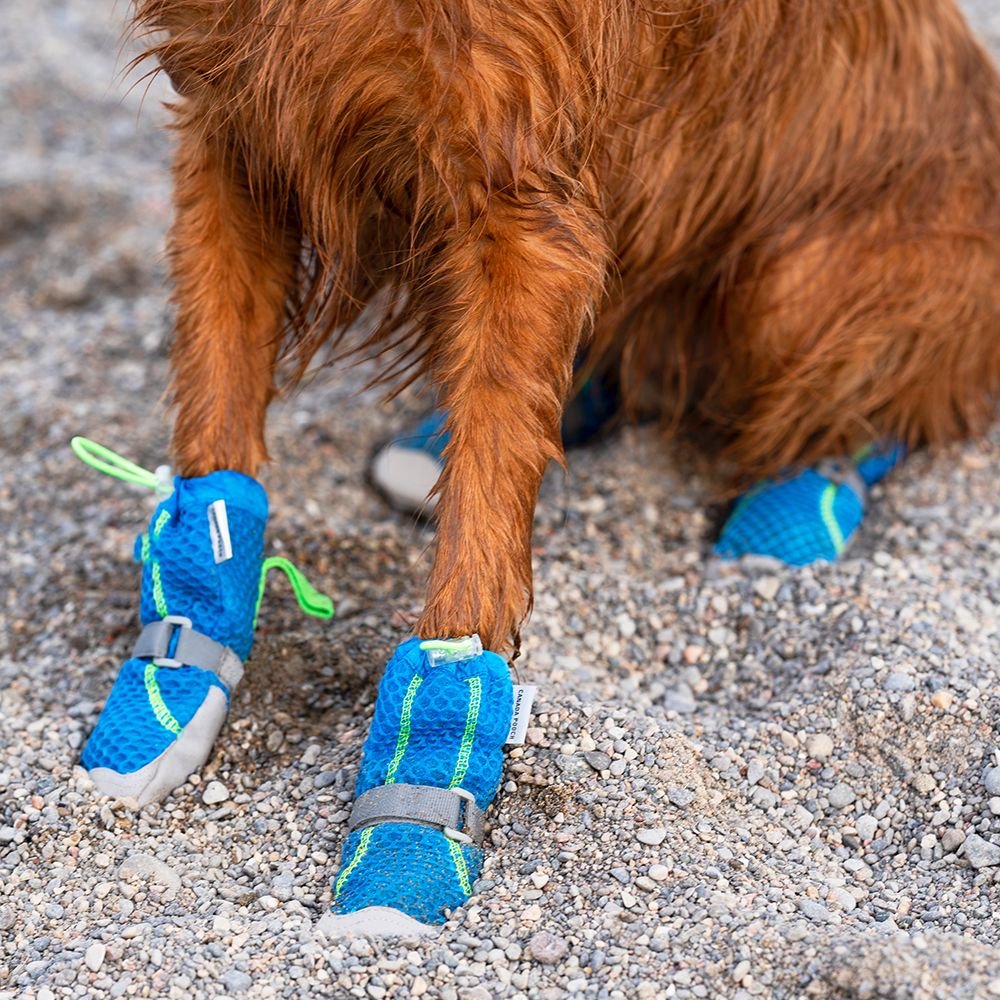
point(740, 780)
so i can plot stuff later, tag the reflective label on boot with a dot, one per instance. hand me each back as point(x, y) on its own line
point(218, 528)
point(524, 696)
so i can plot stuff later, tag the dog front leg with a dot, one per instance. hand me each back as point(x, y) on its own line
point(519, 290)
point(233, 261)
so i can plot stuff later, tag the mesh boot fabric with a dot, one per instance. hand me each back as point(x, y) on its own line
point(159, 722)
point(809, 516)
point(443, 726)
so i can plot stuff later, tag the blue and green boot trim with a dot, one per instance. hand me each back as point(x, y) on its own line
point(809, 516)
point(203, 575)
point(430, 768)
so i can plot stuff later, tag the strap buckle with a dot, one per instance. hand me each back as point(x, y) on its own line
point(463, 815)
point(178, 622)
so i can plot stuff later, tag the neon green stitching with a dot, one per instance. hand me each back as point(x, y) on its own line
point(826, 510)
point(156, 702)
point(471, 721)
point(159, 599)
point(359, 853)
point(145, 547)
point(161, 523)
point(404, 730)
point(461, 868)
point(311, 601)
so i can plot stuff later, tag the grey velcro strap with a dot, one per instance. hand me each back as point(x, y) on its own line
point(192, 648)
point(451, 810)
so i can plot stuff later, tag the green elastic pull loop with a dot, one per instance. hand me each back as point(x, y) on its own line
point(111, 463)
point(311, 601)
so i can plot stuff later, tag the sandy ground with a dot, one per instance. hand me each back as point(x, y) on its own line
point(741, 781)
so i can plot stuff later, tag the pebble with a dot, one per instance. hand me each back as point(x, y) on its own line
point(814, 911)
point(236, 981)
point(981, 853)
point(841, 796)
point(94, 956)
point(652, 836)
point(547, 947)
point(147, 868)
point(942, 699)
point(767, 587)
point(866, 826)
point(659, 873)
point(819, 746)
point(680, 797)
point(991, 780)
point(597, 759)
point(214, 793)
point(952, 840)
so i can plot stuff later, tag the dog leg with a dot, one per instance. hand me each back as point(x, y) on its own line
point(520, 289)
point(233, 265)
point(517, 290)
point(202, 557)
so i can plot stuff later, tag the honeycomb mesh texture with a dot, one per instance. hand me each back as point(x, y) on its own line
point(790, 519)
point(408, 867)
point(443, 726)
point(219, 598)
point(136, 726)
point(128, 734)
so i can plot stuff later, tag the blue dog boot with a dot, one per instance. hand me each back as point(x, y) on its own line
point(405, 469)
point(203, 572)
point(809, 516)
point(430, 768)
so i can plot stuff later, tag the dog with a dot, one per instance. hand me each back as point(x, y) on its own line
point(779, 220)
point(775, 223)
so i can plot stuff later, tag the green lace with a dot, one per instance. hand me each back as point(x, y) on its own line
point(309, 599)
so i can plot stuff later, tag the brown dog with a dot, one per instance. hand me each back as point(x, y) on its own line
point(779, 217)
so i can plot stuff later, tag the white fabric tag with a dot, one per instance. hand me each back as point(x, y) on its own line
point(524, 697)
point(218, 528)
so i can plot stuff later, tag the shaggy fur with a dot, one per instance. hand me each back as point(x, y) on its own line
point(780, 218)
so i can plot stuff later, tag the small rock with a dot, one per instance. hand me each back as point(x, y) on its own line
point(573, 766)
point(841, 796)
point(815, 911)
point(819, 746)
point(539, 880)
point(899, 681)
point(653, 836)
point(981, 853)
point(324, 779)
point(215, 792)
point(994, 805)
point(767, 587)
point(94, 956)
point(942, 698)
point(991, 780)
point(680, 797)
point(924, 783)
point(952, 840)
point(236, 981)
point(534, 736)
point(148, 868)
point(680, 699)
point(597, 759)
point(659, 873)
point(547, 947)
point(866, 826)
point(622, 875)
point(531, 914)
